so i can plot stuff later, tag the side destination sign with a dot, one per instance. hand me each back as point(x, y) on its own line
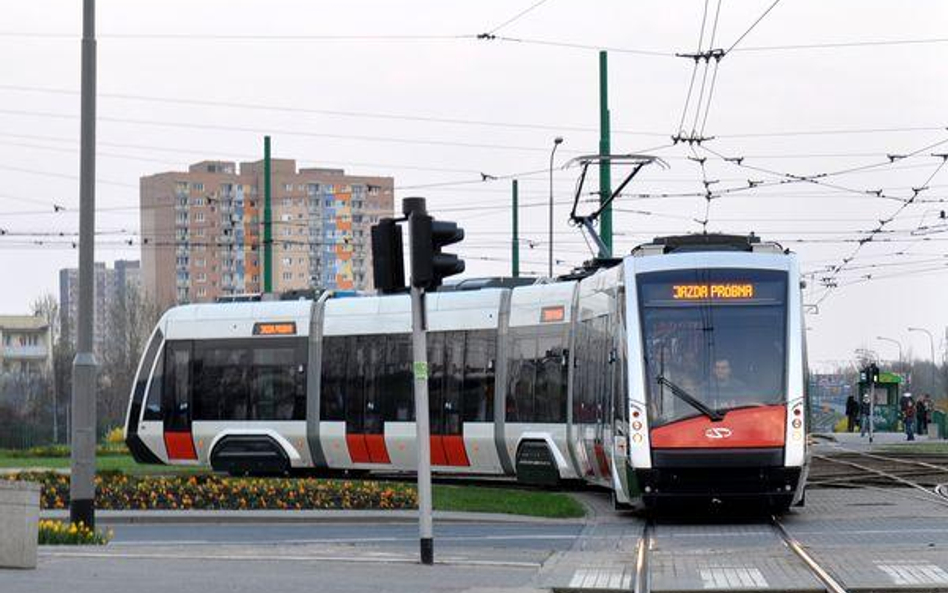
point(724, 291)
point(281, 328)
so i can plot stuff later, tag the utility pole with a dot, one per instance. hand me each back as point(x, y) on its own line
point(931, 344)
point(267, 220)
point(556, 144)
point(515, 240)
point(605, 166)
point(82, 456)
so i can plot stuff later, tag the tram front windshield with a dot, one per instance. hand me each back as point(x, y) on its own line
point(716, 335)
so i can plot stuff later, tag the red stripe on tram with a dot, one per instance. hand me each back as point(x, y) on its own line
point(437, 451)
point(358, 452)
point(454, 450)
point(180, 445)
point(378, 453)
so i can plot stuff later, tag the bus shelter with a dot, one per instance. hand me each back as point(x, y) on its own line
point(885, 393)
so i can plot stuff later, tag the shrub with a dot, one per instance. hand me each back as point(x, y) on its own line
point(61, 533)
point(116, 436)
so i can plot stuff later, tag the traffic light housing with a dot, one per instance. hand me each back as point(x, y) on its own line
point(429, 265)
point(388, 260)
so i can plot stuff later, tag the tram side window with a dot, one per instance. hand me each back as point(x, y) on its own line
point(537, 381)
point(177, 386)
point(255, 379)
point(333, 378)
point(153, 400)
point(396, 381)
point(279, 384)
point(552, 373)
point(521, 374)
point(478, 388)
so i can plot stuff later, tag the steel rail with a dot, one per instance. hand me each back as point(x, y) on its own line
point(828, 581)
point(935, 497)
point(643, 579)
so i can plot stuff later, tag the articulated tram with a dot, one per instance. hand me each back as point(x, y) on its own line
point(675, 372)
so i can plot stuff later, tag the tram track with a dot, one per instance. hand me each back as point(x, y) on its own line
point(935, 491)
point(822, 574)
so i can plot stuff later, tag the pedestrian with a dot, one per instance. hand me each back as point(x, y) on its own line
point(864, 409)
point(923, 413)
point(909, 412)
point(852, 413)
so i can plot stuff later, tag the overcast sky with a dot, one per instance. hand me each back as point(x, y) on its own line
point(181, 81)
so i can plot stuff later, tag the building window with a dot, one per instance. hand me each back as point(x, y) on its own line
point(287, 276)
point(197, 187)
point(202, 277)
point(198, 217)
point(287, 261)
point(201, 292)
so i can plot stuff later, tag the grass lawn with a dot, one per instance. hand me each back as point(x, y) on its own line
point(122, 463)
point(506, 500)
point(471, 498)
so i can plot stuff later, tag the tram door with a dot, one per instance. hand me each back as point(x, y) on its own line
point(365, 428)
point(176, 402)
point(445, 385)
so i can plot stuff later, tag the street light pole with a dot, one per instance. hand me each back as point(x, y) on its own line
point(931, 343)
point(556, 142)
point(897, 343)
point(83, 430)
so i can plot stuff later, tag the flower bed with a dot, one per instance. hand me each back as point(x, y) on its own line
point(116, 491)
point(61, 533)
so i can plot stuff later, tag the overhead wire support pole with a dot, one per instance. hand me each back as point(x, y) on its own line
point(83, 430)
point(267, 219)
point(515, 238)
point(605, 165)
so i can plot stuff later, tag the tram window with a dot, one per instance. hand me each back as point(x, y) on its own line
point(436, 374)
point(153, 401)
point(373, 348)
point(177, 386)
point(397, 387)
point(355, 382)
point(478, 389)
point(278, 385)
point(551, 376)
point(333, 378)
point(144, 372)
point(522, 375)
point(221, 381)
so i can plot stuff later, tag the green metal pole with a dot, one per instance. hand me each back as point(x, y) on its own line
point(515, 241)
point(605, 167)
point(267, 220)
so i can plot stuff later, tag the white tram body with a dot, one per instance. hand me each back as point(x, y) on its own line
point(678, 371)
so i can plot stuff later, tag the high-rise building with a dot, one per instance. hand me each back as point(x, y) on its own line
point(202, 230)
point(110, 289)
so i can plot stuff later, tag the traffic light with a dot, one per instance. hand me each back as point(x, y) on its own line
point(873, 371)
point(429, 266)
point(388, 260)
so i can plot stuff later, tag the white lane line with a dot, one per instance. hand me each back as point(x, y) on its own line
point(722, 577)
point(287, 558)
point(347, 540)
point(914, 573)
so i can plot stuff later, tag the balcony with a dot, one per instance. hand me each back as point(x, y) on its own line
point(25, 352)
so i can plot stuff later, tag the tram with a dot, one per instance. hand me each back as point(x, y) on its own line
point(676, 372)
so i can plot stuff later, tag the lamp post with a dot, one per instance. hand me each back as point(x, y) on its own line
point(931, 343)
point(897, 343)
point(556, 143)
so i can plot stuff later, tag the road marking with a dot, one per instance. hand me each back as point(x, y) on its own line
point(286, 558)
point(349, 540)
point(603, 577)
point(914, 573)
point(721, 577)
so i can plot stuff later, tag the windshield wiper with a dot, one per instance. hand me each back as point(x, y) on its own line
point(689, 399)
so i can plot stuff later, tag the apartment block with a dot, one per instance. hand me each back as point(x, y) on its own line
point(202, 230)
point(111, 289)
point(25, 346)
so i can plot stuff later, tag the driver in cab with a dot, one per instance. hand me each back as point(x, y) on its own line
point(726, 390)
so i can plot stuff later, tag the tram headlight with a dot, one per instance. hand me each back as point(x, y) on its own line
point(636, 425)
point(636, 438)
point(797, 423)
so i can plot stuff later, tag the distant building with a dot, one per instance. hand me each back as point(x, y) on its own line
point(202, 230)
point(111, 288)
point(25, 345)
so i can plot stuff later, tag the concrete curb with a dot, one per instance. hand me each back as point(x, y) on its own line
point(315, 516)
